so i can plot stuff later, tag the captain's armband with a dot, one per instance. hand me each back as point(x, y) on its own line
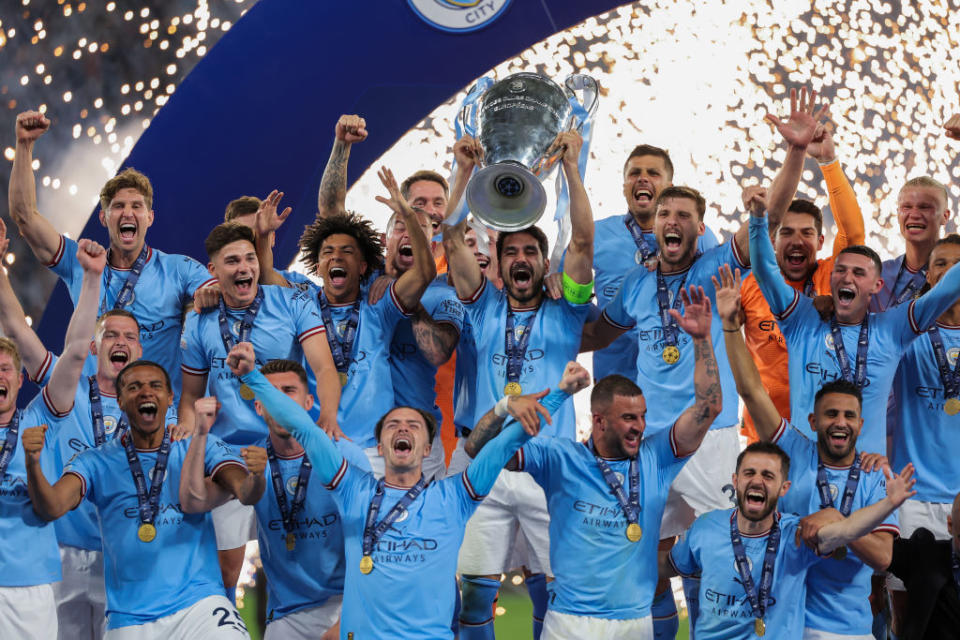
point(576, 293)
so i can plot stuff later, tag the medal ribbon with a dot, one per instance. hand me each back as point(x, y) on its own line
point(670, 328)
point(913, 285)
point(148, 503)
point(860, 375)
point(853, 479)
point(758, 602)
point(373, 530)
point(630, 504)
point(126, 291)
point(517, 348)
point(340, 348)
point(949, 377)
point(96, 413)
point(9, 443)
point(288, 512)
point(246, 323)
point(643, 247)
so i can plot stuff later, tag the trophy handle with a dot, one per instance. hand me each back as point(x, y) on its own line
point(590, 89)
point(466, 120)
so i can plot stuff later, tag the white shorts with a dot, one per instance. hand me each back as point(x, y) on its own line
point(28, 613)
point(515, 507)
point(306, 624)
point(235, 525)
point(705, 482)
point(816, 634)
point(564, 626)
point(914, 514)
point(81, 597)
point(213, 618)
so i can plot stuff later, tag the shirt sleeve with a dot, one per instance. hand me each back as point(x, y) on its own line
point(683, 557)
point(925, 310)
point(845, 208)
point(878, 491)
point(193, 275)
point(670, 459)
point(477, 304)
point(779, 295)
point(616, 312)
point(447, 309)
point(390, 311)
point(83, 466)
point(64, 263)
point(218, 455)
point(306, 318)
point(483, 471)
point(708, 240)
point(193, 356)
point(353, 454)
point(327, 460)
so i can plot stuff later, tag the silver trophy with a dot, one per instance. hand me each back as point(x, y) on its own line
point(517, 120)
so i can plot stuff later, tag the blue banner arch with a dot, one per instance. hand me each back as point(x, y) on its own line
point(257, 112)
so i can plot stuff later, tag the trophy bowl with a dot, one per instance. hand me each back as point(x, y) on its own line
point(517, 120)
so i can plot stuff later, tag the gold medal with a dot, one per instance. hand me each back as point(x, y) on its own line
point(839, 553)
point(246, 392)
point(671, 354)
point(759, 627)
point(952, 406)
point(291, 541)
point(634, 532)
point(513, 389)
point(147, 532)
point(343, 378)
point(366, 565)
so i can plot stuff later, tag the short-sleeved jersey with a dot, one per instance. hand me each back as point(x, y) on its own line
point(369, 393)
point(28, 554)
point(554, 340)
point(296, 279)
point(838, 591)
point(413, 375)
point(146, 581)
point(287, 317)
point(635, 305)
point(725, 611)
point(897, 277)
point(764, 339)
point(313, 571)
point(414, 563)
point(925, 435)
point(614, 256)
point(73, 435)
point(165, 288)
point(599, 572)
point(813, 361)
point(465, 379)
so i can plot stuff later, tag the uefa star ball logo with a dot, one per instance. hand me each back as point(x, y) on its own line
point(459, 16)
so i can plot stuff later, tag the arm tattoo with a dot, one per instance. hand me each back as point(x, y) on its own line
point(333, 186)
point(486, 430)
point(435, 341)
point(707, 392)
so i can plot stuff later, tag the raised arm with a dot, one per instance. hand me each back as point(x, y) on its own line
point(526, 410)
point(43, 239)
point(410, 286)
point(695, 421)
point(62, 387)
point(485, 468)
point(765, 416)
point(49, 502)
point(193, 387)
point(435, 340)
point(843, 200)
point(13, 321)
point(467, 276)
point(776, 291)
point(316, 350)
point(267, 223)
point(578, 264)
point(863, 521)
point(321, 450)
point(928, 307)
point(198, 492)
point(332, 196)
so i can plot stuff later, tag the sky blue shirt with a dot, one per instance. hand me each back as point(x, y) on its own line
point(554, 341)
point(165, 288)
point(896, 279)
point(635, 305)
point(414, 378)
point(28, 554)
point(369, 391)
point(725, 611)
point(73, 435)
point(614, 256)
point(410, 593)
point(812, 359)
point(146, 581)
point(925, 434)
point(287, 317)
point(599, 572)
point(838, 591)
point(313, 572)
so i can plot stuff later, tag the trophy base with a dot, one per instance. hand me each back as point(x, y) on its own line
point(506, 197)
